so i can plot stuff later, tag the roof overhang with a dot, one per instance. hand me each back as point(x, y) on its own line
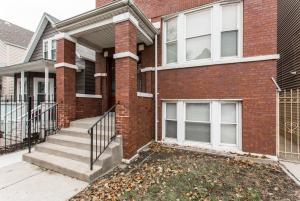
point(34, 66)
point(96, 27)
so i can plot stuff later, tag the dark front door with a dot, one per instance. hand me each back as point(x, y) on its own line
point(111, 79)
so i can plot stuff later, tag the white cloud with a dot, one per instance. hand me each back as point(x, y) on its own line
point(27, 13)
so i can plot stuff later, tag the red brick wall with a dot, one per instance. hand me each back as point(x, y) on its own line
point(145, 120)
point(87, 107)
point(248, 81)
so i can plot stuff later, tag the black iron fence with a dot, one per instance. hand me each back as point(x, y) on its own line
point(27, 121)
point(102, 134)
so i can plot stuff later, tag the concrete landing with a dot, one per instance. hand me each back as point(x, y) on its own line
point(23, 181)
point(292, 169)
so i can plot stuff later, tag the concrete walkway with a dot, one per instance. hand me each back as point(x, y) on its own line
point(292, 169)
point(23, 182)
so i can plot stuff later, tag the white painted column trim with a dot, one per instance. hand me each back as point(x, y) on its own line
point(145, 95)
point(65, 36)
point(22, 85)
point(66, 65)
point(100, 75)
point(126, 54)
point(46, 83)
point(88, 96)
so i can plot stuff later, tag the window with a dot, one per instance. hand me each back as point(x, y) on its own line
point(228, 123)
point(49, 49)
point(229, 35)
point(197, 124)
point(45, 50)
point(207, 34)
point(198, 38)
point(212, 124)
point(171, 120)
point(171, 40)
point(53, 50)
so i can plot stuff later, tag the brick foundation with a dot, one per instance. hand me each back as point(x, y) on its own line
point(87, 107)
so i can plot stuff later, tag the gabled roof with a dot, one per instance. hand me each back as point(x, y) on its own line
point(46, 18)
point(15, 35)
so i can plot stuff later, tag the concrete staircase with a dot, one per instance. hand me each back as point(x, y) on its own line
point(68, 152)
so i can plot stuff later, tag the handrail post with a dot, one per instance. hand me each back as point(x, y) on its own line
point(92, 147)
point(29, 124)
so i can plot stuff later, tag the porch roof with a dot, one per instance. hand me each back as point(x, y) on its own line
point(34, 66)
point(95, 28)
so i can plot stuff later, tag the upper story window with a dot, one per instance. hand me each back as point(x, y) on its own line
point(49, 49)
point(212, 33)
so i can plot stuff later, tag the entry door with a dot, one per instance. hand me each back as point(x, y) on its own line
point(39, 90)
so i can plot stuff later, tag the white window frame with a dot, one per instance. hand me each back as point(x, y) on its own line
point(164, 112)
point(215, 123)
point(19, 87)
point(165, 40)
point(215, 35)
point(49, 50)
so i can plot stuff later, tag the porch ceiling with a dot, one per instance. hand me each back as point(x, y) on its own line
point(96, 28)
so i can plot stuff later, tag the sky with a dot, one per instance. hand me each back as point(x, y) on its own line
point(27, 13)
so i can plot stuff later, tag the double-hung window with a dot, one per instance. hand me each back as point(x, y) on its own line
point(198, 35)
point(229, 35)
point(229, 123)
point(208, 34)
point(46, 50)
point(171, 40)
point(171, 120)
point(53, 50)
point(49, 49)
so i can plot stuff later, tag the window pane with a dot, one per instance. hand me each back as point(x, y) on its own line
point(228, 134)
point(198, 48)
point(53, 44)
point(228, 113)
point(172, 29)
point(229, 17)
point(229, 44)
point(172, 52)
point(45, 55)
point(198, 112)
point(171, 111)
point(171, 129)
point(197, 132)
point(198, 23)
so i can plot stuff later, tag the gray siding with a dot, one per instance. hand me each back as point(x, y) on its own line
point(289, 44)
point(38, 52)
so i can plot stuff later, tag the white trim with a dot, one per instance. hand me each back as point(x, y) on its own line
point(91, 26)
point(157, 25)
point(126, 54)
point(65, 36)
point(143, 147)
point(100, 75)
point(201, 100)
point(145, 95)
point(65, 65)
point(212, 63)
point(88, 96)
point(124, 17)
point(128, 161)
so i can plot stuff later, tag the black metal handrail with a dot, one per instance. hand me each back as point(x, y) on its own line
point(102, 133)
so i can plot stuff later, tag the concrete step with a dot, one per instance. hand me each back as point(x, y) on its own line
point(64, 166)
point(73, 153)
point(71, 141)
point(87, 125)
point(70, 132)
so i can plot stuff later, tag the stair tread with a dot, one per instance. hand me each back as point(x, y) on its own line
point(73, 139)
point(66, 163)
point(71, 150)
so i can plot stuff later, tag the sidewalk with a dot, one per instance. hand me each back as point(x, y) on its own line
point(292, 169)
point(22, 182)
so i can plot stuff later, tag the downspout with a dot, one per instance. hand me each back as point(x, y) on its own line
point(156, 91)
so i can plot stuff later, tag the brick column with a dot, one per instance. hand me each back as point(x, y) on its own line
point(66, 82)
point(126, 89)
point(101, 81)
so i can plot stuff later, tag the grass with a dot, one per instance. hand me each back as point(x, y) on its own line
point(171, 174)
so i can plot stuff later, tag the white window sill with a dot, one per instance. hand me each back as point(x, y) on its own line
point(88, 96)
point(144, 95)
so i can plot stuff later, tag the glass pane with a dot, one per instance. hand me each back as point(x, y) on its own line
point(53, 44)
point(171, 111)
point(228, 113)
point(171, 129)
point(172, 29)
point(228, 134)
point(172, 52)
point(41, 87)
point(45, 55)
point(197, 132)
point(53, 53)
point(198, 48)
point(229, 17)
point(198, 23)
point(198, 112)
point(229, 44)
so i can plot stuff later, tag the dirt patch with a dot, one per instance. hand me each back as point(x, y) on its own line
point(164, 173)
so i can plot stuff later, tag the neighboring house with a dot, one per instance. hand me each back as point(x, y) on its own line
point(193, 73)
point(13, 44)
point(38, 65)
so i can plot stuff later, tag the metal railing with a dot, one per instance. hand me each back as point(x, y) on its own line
point(20, 118)
point(102, 133)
